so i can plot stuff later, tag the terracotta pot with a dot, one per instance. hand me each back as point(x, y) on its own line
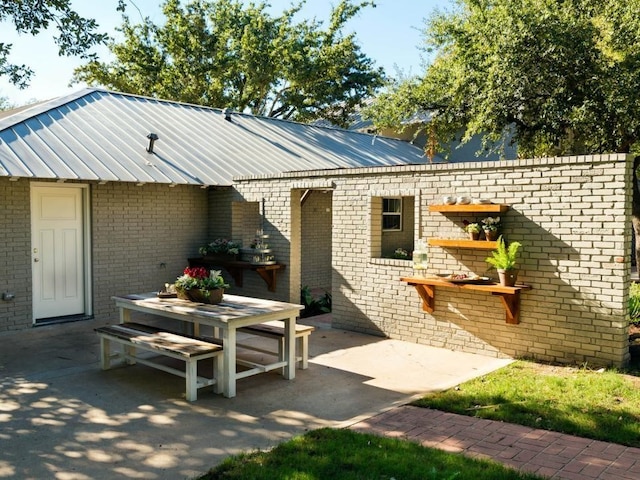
point(474, 235)
point(491, 235)
point(507, 277)
point(198, 295)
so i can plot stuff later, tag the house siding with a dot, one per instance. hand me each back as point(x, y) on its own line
point(15, 241)
point(141, 237)
point(571, 214)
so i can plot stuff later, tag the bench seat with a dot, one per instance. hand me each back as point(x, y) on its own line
point(135, 336)
point(275, 330)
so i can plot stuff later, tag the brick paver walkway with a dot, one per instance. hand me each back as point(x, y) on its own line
point(528, 449)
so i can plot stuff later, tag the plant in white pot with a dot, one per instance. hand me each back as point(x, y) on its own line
point(503, 259)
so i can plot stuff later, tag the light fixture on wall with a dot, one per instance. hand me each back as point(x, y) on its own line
point(152, 138)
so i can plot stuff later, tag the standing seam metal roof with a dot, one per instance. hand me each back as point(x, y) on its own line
point(101, 135)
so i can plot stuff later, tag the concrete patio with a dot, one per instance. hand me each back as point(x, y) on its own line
point(61, 417)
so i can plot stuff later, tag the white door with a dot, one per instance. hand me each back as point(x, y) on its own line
point(57, 251)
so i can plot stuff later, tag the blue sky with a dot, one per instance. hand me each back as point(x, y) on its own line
point(389, 34)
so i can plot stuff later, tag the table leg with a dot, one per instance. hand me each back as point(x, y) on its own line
point(290, 348)
point(125, 315)
point(229, 362)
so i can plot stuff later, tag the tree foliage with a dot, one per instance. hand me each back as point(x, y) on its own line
point(76, 35)
point(561, 76)
point(225, 54)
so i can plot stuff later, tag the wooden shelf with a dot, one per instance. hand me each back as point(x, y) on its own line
point(472, 207)
point(462, 243)
point(236, 269)
point(510, 296)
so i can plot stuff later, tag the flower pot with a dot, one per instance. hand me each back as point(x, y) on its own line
point(199, 295)
point(491, 235)
point(507, 277)
point(474, 235)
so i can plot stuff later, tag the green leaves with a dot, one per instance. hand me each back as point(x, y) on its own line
point(562, 77)
point(225, 54)
point(503, 257)
point(76, 35)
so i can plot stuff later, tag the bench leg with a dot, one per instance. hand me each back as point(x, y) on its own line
point(303, 344)
point(131, 351)
point(217, 374)
point(105, 353)
point(192, 380)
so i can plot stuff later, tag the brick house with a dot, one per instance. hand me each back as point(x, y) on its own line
point(336, 204)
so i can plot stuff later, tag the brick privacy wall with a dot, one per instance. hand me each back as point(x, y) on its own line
point(571, 214)
point(316, 241)
point(142, 238)
point(15, 257)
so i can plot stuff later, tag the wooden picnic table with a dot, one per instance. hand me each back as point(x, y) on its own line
point(228, 316)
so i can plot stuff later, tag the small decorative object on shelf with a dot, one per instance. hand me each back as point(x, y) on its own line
point(473, 229)
point(448, 200)
point(420, 263)
point(261, 253)
point(503, 259)
point(200, 285)
point(491, 227)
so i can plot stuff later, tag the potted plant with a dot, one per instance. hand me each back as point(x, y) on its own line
point(220, 247)
point(401, 254)
point(491, 227)
point(503, 259)
point(201, 285)
point(473, 229)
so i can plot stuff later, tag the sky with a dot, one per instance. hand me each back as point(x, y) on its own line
point(389, 34)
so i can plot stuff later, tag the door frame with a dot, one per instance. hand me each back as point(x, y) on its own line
point(86, 240)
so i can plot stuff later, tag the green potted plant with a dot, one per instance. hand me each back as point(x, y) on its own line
point(473, 229)
point(503, 259)
point(220, 247)
point(491, 227)
point(201, 285)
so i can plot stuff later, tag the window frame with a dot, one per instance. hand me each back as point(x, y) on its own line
point(394, 214)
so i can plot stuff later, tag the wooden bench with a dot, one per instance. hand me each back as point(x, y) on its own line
point(275, 330)
point(135, 336)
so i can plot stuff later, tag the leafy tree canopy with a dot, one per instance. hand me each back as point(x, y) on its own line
point(75, 35)
point(561, 76)
point(225, 54)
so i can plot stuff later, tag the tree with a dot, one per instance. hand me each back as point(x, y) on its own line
point(224, 54)
point(561, 76)
point(76, 35)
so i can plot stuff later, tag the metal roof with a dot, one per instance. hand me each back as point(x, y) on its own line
point(101, 135)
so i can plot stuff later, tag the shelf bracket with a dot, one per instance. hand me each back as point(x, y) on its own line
point(428, 295)
point(511, 303)
point(269, 277)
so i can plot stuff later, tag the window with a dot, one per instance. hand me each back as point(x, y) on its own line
point(392, 214)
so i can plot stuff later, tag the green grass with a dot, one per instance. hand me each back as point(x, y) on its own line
point(602, 405)
point(346, 455)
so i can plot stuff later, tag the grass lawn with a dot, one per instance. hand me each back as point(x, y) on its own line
point(346, 455)
point(602, 404)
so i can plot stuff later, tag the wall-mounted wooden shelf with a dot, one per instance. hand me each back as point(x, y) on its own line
point(470, 208)
point(236, 268)
point(510, 296)
point(462, 243)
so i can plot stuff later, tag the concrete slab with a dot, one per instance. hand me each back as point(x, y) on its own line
point(61, 417)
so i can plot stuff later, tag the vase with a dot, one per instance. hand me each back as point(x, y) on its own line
point(491, 235)
point(508, 277)
point(200, 295)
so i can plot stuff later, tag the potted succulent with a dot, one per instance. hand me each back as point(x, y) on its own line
point(503, 259)
point(491, 227)
point(201, 285)
point(473, 229)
